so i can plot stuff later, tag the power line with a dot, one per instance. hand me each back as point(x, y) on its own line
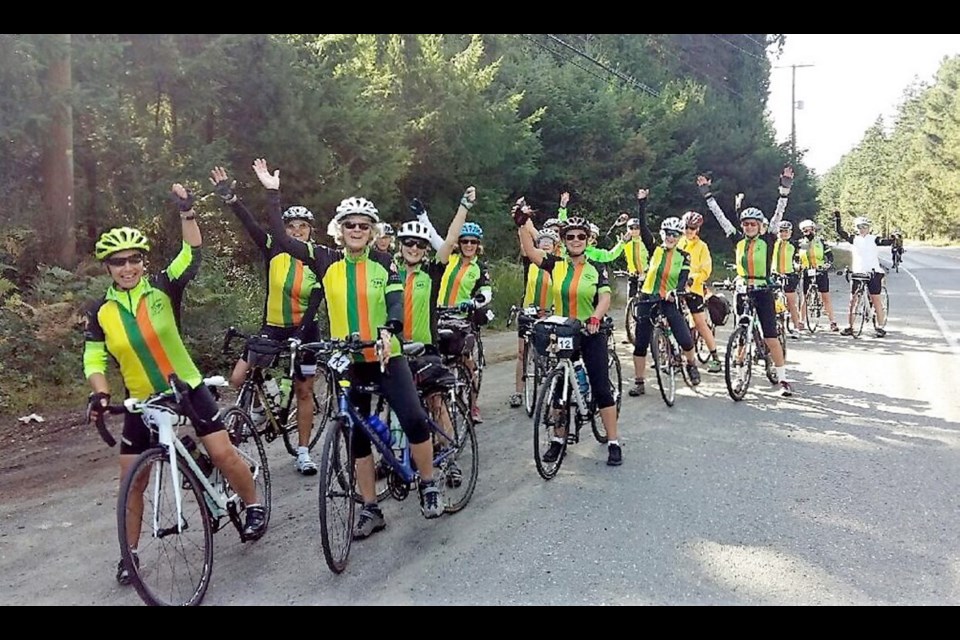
point(752, 55)
point(702, 75)
point(759, 44)
point(562, 58)
point(614, 72)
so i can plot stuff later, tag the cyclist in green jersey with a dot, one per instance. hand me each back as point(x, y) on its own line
point(364, 296)
point(137, 323)
point(289, 308)
point(581, 290)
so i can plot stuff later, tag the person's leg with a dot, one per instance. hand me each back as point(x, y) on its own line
point(641, 342)
point(239, 373)
point(594, 351)
point(370, 519)
point(684, 339)
point(823, 283)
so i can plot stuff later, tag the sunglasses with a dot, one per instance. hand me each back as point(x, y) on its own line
point(575, 236)
point(692, 228)
point(411, 243)
point(363, 226)
point(136, 258)
point(469, 241)
point(634, 226)
point(671, 234)
point(750, 223)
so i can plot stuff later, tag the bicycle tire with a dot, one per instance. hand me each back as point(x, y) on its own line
point(782, 334)
point(630, 321)
point(479, 361)
point(700, 344)
point(768, 367)
point(542, 432)
point(738, 363)
point(859, 310)
point(156, 580)
point(337, 495)
point(529, 378)
point(466, 457)
point(249, 444)
point(660, 353)
point(614, 360)
point(323, 397)
point(813, 308)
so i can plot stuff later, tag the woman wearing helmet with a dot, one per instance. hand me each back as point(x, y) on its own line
point(386, 236)
point(816, 257)
point(865, 259)
point(364, 296)
point(137, 322)
point(786, 263)
point(754, 255)
point(581, 290)
point(701, 266)
point(289, 309)
point(466, 284)
point(668, 273)
point(634, 249)
point(537, 293)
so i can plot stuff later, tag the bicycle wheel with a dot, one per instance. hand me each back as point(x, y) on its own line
point(547, 423)
point(630, 320)
point(529, 378)
point(457, 473)
point(616, 378)
point(337, 495)
point(763, 353)
point(479, 361)
point(782, 333)
point(885, 304)
point(324, 397)
point(700, 344)
point(662, 357)
point(814, 308)
point(249, 445)
point(860, 302)
point(174, 555)
point(738, 363)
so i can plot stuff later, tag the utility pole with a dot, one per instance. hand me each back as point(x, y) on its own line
point(793, 108)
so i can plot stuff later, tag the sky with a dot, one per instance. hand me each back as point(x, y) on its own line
point(855, 78)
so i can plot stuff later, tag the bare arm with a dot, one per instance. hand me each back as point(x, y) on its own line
point(453, 232)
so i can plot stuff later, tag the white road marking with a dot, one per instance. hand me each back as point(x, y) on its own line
point(941, 323)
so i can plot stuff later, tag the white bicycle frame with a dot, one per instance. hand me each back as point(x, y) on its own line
point(166, 421)
point(569, 376)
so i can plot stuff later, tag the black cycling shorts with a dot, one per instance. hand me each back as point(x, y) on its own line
point(310, 333)
point(874, 285)
point(790, 282)
point(137, 437)
point(766, 311)
point(823, 281)
point(695, 303)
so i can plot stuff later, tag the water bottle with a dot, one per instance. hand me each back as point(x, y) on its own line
point(398, 439)
point(285, 384)
point(273, 391)
point(206, 466)
point(582, 380)
point(380, 428)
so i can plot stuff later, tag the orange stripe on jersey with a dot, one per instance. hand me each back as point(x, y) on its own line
point(408, 306)
point(152, 340)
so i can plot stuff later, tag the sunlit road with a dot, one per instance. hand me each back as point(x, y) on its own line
point(846, 493)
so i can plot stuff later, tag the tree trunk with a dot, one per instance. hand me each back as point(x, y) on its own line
point(56, 224)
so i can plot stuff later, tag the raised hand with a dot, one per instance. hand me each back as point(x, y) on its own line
point(268, 180)
point(642, 193)
point(469, 197)
point(181, 197)
point(223, 186)
point(564, 199)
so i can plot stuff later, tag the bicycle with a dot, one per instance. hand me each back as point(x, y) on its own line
point(279, 417)
point(458, 337)
point(630, 312)
point(338, 495)
point(862, 304)
point(559, 339)
point(782, 309)
point(533, 365)
point(813, 299)
point(746, 345)
point(699, 342)
point(665, 352)
point(897, 257)
point(186, 499)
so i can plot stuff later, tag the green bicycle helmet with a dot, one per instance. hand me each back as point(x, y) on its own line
point(120, 239)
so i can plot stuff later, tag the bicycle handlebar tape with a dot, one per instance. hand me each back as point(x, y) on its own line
point(105, 434)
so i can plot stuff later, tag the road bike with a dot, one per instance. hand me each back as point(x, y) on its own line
point(184, 498)
point(863, 310)
point(746, 345)
point(533, 365)
point(564, 398)
point(455, 461)
point(812, 299)
point(665, 353)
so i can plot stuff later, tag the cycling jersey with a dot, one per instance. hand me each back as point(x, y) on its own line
point(785, 256)
point(637, 256)
point(463, 280)
point(668, 269)
point(754, 256)
point(576, 287)
point(866, 256)
point(421, 288)
point(604, 255)
point(140, 329)
point(701, 264)
point(814, 254)
point(363, 293)
point(539, 289)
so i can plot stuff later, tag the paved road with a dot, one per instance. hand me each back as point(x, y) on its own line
point(844, 494)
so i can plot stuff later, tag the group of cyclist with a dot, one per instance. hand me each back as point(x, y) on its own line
point(378, 291)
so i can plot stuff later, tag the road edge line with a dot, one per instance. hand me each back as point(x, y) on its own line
point(937, 318)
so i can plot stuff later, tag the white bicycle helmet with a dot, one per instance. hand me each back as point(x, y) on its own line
point(594, 230)
point(297, 212)
point(752, 213)
point(861, 221)
point(808, 224)
point(672, 223)
point(356, 206)
point(786, 225)
point(548, 233)
point(414, 229)
point(551, 222)
point(385, 229)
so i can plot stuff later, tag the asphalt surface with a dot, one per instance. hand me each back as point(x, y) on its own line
point(844, 494)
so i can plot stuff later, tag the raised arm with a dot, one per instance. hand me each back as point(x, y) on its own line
point(421, 213)
point(562, 210)
point(843, 235)
point(527, 232)
point(467, 200)
point(704, 183)
point(786, 182)
point(186, 264)
point(225, 188)
point(645, 234)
